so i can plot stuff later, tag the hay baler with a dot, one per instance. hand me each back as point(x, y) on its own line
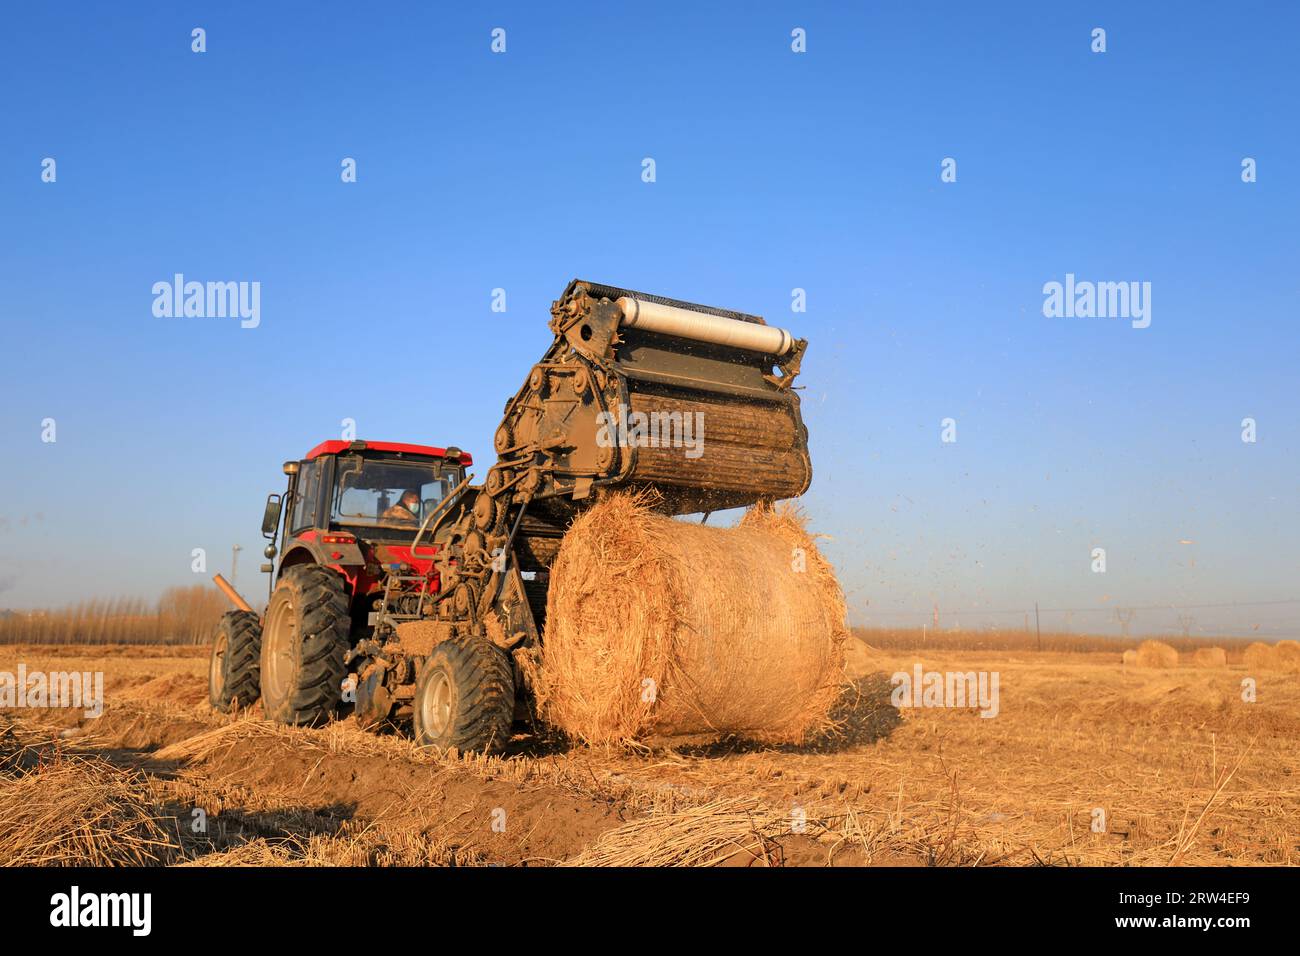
point(636, 392)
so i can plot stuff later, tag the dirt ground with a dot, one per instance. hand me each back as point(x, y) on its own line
point(1086, 762)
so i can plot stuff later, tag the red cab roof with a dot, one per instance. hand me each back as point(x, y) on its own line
point(338, 446)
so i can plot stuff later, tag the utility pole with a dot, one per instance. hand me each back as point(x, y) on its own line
point(1038, 627)
point(1125, 615)
point(234, 563)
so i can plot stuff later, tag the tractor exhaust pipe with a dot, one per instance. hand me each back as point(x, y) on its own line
point(702, 327)
point(231, 593)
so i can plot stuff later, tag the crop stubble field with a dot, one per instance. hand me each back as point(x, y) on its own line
point(1174, 764)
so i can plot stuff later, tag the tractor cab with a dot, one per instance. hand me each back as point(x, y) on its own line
point(356, 507)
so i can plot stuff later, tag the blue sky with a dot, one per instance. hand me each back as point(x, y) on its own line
point(775, 170)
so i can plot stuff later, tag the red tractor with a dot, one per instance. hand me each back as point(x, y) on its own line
point(349, 520)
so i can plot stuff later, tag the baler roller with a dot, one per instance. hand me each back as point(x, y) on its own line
point(703, 327)
point(699, 398)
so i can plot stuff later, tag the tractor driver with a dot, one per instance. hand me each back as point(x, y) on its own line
point(407, 510)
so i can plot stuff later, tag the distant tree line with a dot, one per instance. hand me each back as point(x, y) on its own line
point(183, 615)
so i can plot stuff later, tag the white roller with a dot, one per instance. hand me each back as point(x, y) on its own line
point(703, 327)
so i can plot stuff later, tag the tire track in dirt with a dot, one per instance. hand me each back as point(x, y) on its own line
point(495, 820)
point(500, 821)
point(258, 781)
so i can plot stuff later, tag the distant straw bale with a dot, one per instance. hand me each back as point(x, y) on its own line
point(1210, 657)
point(1156, 654)
point(1288, 655)
point(1260, 656)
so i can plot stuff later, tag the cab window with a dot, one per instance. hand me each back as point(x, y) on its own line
point(371, 491)
point(304, 503)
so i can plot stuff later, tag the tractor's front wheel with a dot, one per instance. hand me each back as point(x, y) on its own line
point(303, 645)
point(465, 697)
point(233, 668)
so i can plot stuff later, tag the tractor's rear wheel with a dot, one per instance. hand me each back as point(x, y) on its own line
point(235, 664)
point(303, 645)
point(465, 697)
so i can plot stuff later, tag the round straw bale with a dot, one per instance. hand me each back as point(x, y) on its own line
point(1156, 654)
point(1260, 656)
point(1130, 658)
point(656, 626)
point(1210, 657)
point(1288, 655)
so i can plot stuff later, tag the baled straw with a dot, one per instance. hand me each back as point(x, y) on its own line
point(1260, 656)
point(1288, 655)
point(660, 627)
point(1210, 657)
point(1156, 654)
